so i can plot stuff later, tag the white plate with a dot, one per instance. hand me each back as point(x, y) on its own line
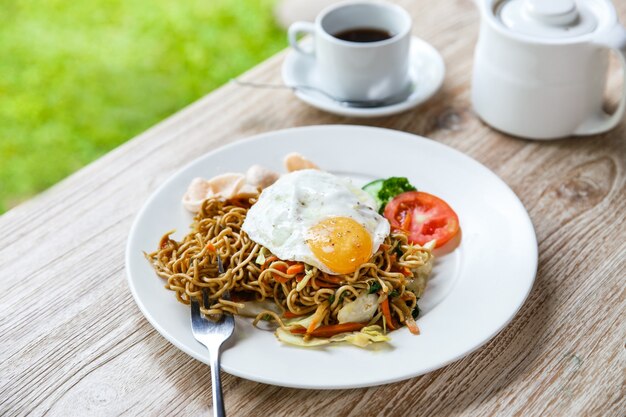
point(474, 292)
point(426, 68)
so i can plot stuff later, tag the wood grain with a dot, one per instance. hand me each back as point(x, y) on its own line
point(74, 342)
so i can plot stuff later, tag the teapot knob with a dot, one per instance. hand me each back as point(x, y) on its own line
point(552, 12)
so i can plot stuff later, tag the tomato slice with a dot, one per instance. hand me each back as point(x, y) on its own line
point(423, 216)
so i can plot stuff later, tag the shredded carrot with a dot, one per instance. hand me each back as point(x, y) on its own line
point(278, 278)
point(313, 325)
point(295, 269)
point(410, 323)
point(406, 271)
point(385, 247)
point(387, 313)
point(333, 329)
point(317, 317)
point(210, 247)
point(298, 330)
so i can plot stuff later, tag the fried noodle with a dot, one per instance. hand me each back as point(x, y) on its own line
point(251, 273)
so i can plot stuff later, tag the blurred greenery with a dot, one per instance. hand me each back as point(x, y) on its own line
point(79, 78)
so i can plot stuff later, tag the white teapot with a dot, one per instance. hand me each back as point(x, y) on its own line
point(540, 66)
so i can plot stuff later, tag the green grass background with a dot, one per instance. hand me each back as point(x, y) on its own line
point(79, 78)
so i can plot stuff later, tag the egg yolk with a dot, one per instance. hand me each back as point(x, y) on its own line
point(340, 243)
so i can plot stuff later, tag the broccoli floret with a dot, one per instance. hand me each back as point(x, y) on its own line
point(392, 187)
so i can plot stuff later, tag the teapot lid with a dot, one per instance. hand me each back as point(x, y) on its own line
point(547, 18)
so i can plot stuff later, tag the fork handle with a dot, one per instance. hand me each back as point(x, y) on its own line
point(216, 384)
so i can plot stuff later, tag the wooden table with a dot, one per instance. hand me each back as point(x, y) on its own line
point(75, 343)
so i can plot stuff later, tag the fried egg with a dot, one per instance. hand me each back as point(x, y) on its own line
point(317, 218)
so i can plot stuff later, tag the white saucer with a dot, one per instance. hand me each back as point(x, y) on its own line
point(426, 68)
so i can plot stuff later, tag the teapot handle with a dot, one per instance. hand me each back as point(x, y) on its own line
point(601, 122)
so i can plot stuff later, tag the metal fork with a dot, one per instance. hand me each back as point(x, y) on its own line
point(212, 334)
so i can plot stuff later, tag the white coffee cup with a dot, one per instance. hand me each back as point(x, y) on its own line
point(359, 70)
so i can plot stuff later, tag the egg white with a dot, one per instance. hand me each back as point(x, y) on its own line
point(287, 209)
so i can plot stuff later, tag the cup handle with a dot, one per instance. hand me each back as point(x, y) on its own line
point(601, 122)
point(296, 29)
